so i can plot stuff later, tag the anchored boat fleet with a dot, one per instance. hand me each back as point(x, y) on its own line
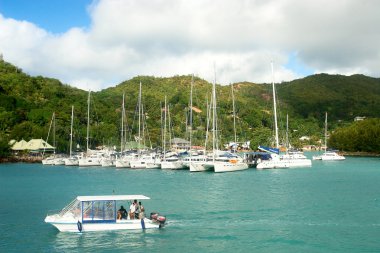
point(140, 157)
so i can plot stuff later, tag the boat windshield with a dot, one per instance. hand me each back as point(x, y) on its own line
point(98, 211)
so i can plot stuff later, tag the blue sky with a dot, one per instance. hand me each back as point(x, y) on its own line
point(99, 43)
point(56, 16)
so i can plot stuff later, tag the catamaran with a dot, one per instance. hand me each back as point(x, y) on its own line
point(288, 160)
point(221, 161)
point(99, 213)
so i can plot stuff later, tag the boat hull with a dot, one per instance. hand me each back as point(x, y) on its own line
point(122, 164)
point(172, 165)
point(229, 167)
point(291, 163)
point(89, 162)
point(119, 225)
point(71, 162)
point(198, 167)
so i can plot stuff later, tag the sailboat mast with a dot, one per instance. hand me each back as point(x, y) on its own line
point(326, 133)
point(234, 113)
point(55, 145)
point(274, 108)
point(214, 137)
point(164, 144)
point(88, 120)
point(191, 111)
point(47, 138)
point(208, 110)
point(287, 132)
point(139, 142)
point(122, 125)
point(71, 130)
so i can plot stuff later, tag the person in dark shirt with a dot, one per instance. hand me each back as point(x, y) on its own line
point(121, 213)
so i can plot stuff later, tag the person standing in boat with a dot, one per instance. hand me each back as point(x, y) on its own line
point(137, 212)
point(132, 210)
point(142, 210)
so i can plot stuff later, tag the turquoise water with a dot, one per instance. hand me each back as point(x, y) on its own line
point(331, 207)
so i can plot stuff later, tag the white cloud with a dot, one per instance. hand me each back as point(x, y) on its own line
point(169, 37)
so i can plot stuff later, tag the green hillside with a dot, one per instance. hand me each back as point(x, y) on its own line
point(27, 104)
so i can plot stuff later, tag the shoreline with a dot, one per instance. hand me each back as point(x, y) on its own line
point(38, 159)
point(24, 159)
point(359, 154)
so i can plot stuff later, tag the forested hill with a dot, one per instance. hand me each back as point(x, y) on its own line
point(27, 103)
point(344, 97)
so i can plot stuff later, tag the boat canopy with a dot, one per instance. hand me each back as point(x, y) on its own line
point(269, 150)
point(111, 197)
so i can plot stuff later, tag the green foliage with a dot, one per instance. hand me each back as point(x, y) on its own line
point(4, 145)
point(363, 136)
point(27, 103)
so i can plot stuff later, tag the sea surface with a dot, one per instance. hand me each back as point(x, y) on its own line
point(330, 207)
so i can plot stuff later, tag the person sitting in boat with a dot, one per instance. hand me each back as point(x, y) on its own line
point(132, 210)
point(121, 213)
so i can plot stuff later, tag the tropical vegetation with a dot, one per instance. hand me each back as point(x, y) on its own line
point(28, 102)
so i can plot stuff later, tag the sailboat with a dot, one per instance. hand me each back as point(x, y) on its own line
point(293, 157)
point(170, 160)
point(142, 158)
point(195, 160)
point(51, 159)
point(328, 155)
point(72, 160)
point(276, 160)
point(123, 161)
point(90, 158)
point(222, 161)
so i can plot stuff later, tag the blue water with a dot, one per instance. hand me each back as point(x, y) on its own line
point(331, 207)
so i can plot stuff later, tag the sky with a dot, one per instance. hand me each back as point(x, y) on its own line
point(96, 44)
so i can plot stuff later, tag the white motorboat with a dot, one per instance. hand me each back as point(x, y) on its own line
point(329, 156)
point(99, 213)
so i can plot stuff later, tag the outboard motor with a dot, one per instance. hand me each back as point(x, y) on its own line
point(161, 219)
point(158, 218)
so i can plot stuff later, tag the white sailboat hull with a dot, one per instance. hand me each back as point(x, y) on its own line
point(153, 165)
point(71, 162)
point(290, 163)
point(229, 167)
point(198, 167)
point(138, 164)
point(48, 161)
point(59, 161)
point(122, 164)
point(89, 162)
point(107, 163)
point(177, 165)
